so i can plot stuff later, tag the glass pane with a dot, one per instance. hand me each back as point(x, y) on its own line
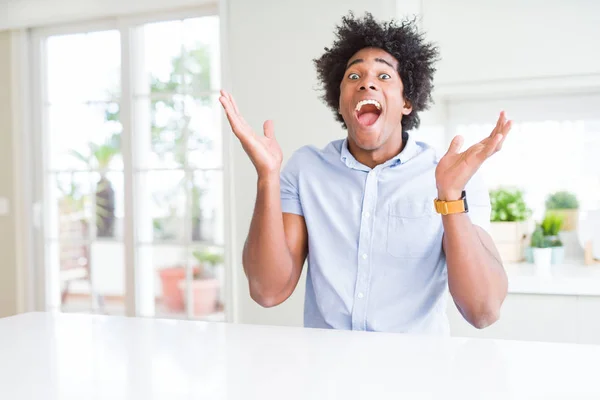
point(73, 279)
point(201, 54)
point(70, 205)
point(160, 140)
point(207, 207)
point(84, 137)
point(162, 59)
point(207, 287)
point(205, 143)
point(73, 197)
point(109, 199)
point(94, 74)
point(161, 273)
point(161, 206)
point(93, 278)
point(534, 143)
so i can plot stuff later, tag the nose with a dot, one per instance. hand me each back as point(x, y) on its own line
point(369, 85)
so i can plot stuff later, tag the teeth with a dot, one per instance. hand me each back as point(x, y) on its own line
point(364, 102)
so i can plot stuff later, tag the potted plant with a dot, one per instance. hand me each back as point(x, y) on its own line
point(99, 157)
point(565, 204)
point(509, 223)
point(171, 279)
point(542, 253)
point(551, 226)
point(205, 285)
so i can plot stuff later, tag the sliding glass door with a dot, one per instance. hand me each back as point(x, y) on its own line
point(130, 169)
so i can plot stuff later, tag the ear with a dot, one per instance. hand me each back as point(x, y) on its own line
point(407, 108)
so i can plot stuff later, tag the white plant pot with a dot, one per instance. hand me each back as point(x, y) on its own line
point(542, 258)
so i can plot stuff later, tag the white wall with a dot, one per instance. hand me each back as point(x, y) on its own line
point(8, 263)
point(34, 13)
point(513, 39)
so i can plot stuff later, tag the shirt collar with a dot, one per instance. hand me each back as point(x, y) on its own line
point(411, 149)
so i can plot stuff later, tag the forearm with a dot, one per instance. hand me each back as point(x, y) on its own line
point(476, 276)
point(266, 257)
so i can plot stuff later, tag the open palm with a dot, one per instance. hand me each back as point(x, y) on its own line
point(264, 151)
point(455, 169)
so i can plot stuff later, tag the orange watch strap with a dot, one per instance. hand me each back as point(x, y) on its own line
point(451, 207)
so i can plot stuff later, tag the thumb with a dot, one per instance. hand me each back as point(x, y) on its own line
point(268, 129)
point(456, 144)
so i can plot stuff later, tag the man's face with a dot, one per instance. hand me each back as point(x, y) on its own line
point(371, 99)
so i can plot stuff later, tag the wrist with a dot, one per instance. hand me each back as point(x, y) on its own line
point(449, 194)
point(268, 179)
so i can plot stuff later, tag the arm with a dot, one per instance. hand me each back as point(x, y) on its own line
point(476, 277)
point(275, 249)
point(276, 246)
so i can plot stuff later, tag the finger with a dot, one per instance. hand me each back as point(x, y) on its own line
point(240, 122)
point(227, 95)
point(232, 101)
point(455, 145)
point(233, 119)
point(499, 124)
point(506, 128)
point(268, 129)
point(227, 106)
point(492, 146)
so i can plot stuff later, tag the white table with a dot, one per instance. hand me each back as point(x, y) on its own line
point(44, 356)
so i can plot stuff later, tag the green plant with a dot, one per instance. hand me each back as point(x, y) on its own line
point(552, 224)
point(508, 205)
point(562, 201)
point(72, 199)
point(556, 242)
point(99, 157)
point(206, 258)
point(538, 240)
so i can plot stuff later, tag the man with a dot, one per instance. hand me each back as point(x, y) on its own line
point(386, 225)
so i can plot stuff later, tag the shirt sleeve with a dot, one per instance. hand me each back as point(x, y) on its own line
point(478, 201)
point(289, 183)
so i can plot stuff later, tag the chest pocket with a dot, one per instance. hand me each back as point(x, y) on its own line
point(414, 230)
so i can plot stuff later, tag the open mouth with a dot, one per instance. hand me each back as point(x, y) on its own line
point(367, 112)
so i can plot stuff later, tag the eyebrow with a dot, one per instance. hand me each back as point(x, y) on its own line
point(359, 60)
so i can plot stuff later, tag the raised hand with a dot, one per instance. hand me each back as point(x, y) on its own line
point(264, 151)
point(455, 169)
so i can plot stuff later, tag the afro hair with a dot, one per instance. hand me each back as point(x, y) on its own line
point(416, 60)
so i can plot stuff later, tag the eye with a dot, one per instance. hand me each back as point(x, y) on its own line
point(353, 76)
point(384, 76)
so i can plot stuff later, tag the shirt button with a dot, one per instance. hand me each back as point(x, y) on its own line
point(360, 295)
point(367, 214)
point(364, 256)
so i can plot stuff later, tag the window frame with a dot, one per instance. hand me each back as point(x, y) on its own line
point(46, 296)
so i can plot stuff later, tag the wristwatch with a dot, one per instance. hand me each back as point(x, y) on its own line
point(453, 206)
